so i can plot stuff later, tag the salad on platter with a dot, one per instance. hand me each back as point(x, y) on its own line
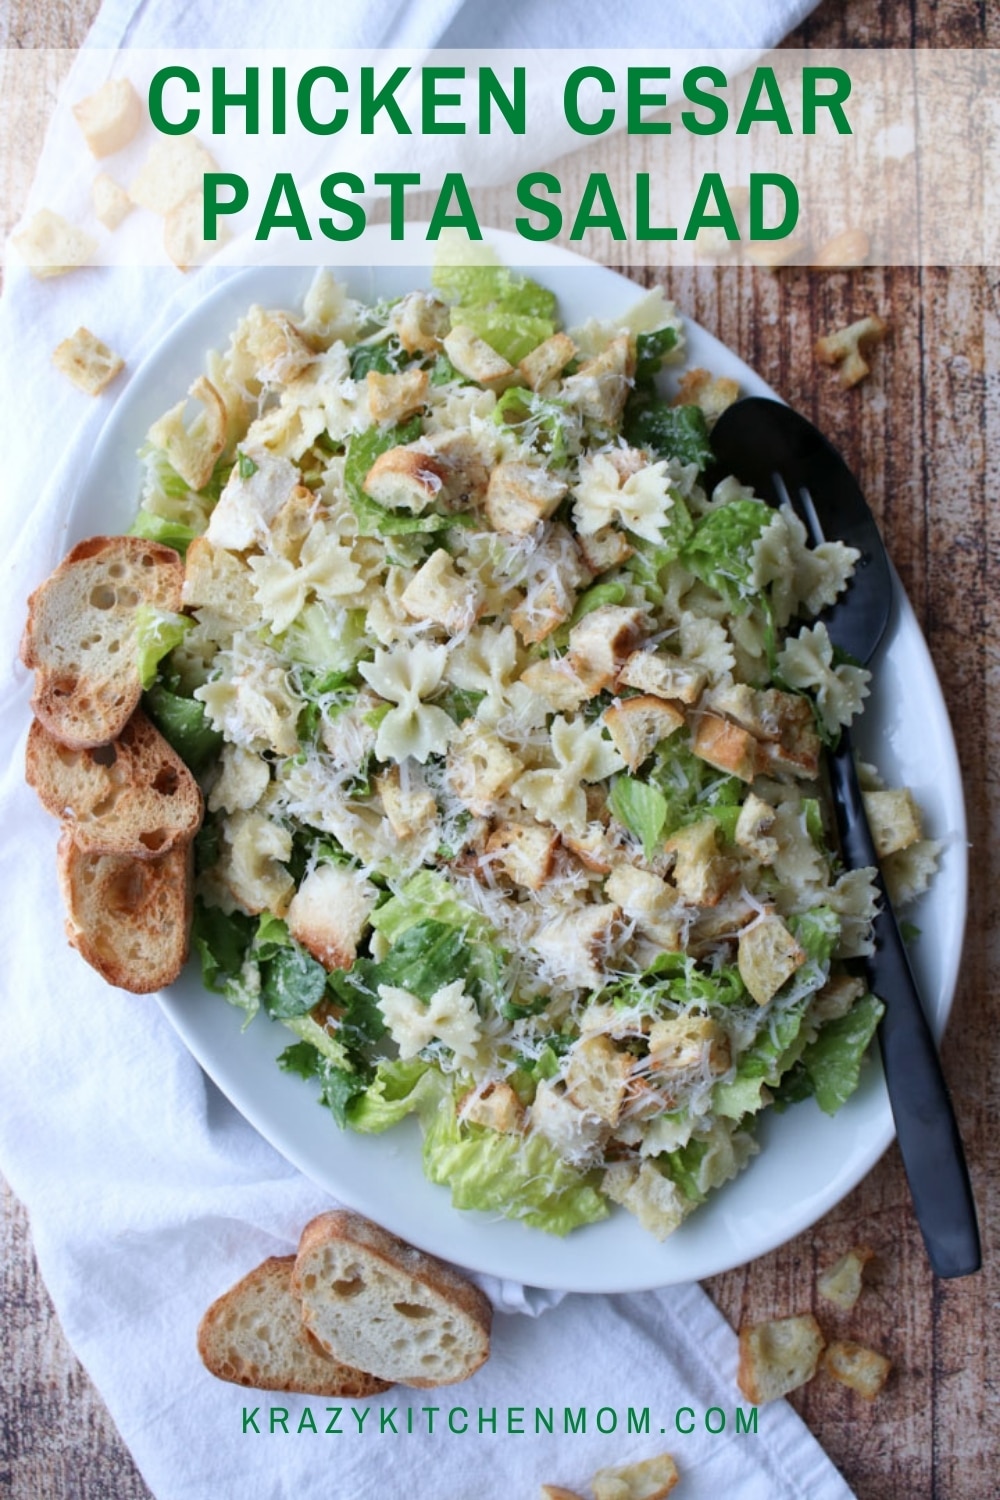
point(510, 732)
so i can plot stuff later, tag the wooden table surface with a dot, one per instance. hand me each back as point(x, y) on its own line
point(923, 434)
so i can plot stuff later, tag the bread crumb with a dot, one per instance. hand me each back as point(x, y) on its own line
point(844, 348)
point(841, 1283)
point(88, 362)
point(110, 200)
point(109, 118)
point(862, 1369)
point(778, 1356)
point(50, 245)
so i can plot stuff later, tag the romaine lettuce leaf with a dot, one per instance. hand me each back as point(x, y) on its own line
point(184, 724)
point(833, 1060)
point(519, 1176)
point(670, 431)
point(426, 897)
point(157, 632)
point(170, 533)
point(339, 1085)
point(398, 1089)
point(642, 809)
point(720, 552)
point(650, 351)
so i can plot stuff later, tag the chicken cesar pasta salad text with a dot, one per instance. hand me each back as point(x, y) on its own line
point(510, 735)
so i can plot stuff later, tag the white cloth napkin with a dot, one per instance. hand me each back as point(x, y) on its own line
point(148, 1194)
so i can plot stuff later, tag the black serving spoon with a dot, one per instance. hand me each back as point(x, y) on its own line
point(786, 460)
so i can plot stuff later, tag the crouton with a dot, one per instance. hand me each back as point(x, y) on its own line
point(251, 863)
point(577, 1134)
point(605, 548)
point(50, 245)
point(647, 901)
point(664, 675)
point(684, 1042)
point(894, 820)
point(520, 495)
point(477, 360)
point(600, 387)
point(849, 248)
point(655, 1200)
point(110, 201)
point(778, 1356)
point(558, 1492)
point(602, 641)
point(638, 725)
point(597, 1077)
point(215, 579)
point(578, 944)
point(329, 912)
point(420, 321)
point(481, 768)
point(269, 348)
point(652, 1479)
point(753, 826)
point(437, 592)
point(543, 609)
point(525, 852)
point(184, 232)
point(725, 746)
point(393, 398)
point(174, 168)
point(835, 998)
point(844, 348)
point(88, 362)
point(410, 810)
point(547, 361)
point(405, 478)
point(701, 874)
point(593, 848)
point(855, 1366)
point(712, 394)
point(110, 117)
point(557, 683)
point(496, 1106)
point(767, 956)
point(841, 1282)
point(194, 451)
point(466, 475)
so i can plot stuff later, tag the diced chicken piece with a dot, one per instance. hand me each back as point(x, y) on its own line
point(712, 393)
point(578, 945)
point(605, 549)
point(405, 478)
point(250, 502)
point(647, 901)
point(243, 779)
point(685, 1042)
point(602, 641)
point(481, 769)
point(420, 322)
point(767, 956)
point(600, 387)
point(466, 474)
point(753, 827)
point(268, 347)
point(557, 683)
point(410, 809)
point(700, 873)
point(638, 725)
point(725, 746)
point(496, 1106)
point(293, 523)
point(477, 360)
point(577, 1134)
point(215, 579)
point(836, 998)
point(525, 852)
point(664, 675)
point(329, 913)
point(250, 865)
point(437, 592)
point(547, 361)
point(597, 1077)
point(655, 1200)
point(894, 820)
point(520, 495)
point(393, 398)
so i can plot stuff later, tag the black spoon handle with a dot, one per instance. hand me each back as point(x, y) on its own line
point(925, 1121)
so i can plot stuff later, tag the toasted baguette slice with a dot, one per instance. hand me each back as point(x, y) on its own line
point(135, 796)
point(129, 918)
point(253, 1335)
point(80, 635)
point(376, 1302)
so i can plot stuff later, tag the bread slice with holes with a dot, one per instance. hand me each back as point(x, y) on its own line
point(253, 1335)
point(135, 796)
point(80, 639)
point(376, 1302)
point(129, 918)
